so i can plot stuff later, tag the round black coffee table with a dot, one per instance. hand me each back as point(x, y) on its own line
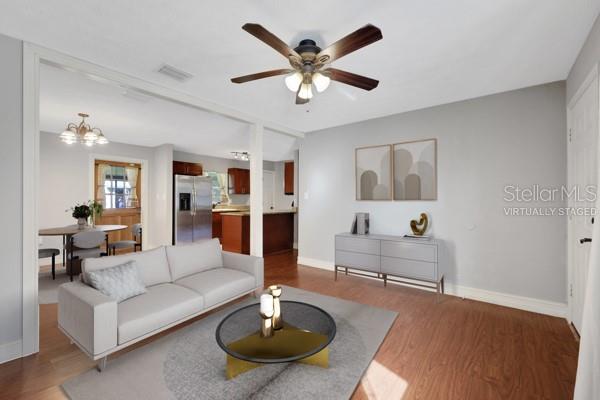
point(306, 334)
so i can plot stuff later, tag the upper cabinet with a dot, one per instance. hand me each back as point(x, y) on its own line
point(288, 178)
point(185, 168)
point(238, 181)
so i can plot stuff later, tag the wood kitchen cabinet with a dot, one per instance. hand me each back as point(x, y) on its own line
point(185, 168)
point(238, 181)
point(288, 178)
point(217, 226)
point(278, 232)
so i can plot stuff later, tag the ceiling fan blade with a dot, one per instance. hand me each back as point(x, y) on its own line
point(300, 100)
point(261, 75)
point(356, 40)
point(267, 37)
point(351, 79)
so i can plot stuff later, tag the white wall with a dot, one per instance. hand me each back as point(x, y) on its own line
point(517, 137)
point(66, 178)
point(160, 224)
point(11, 209)
point(586, 60)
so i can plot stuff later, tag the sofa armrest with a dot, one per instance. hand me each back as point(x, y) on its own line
point(252, 265)
point(88, 316)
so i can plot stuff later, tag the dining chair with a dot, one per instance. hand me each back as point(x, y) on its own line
point(45, 253)
point(83, 245)
point(136, 230)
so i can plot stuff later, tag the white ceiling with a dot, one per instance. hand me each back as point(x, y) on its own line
point(432, 52)
point(146, 121)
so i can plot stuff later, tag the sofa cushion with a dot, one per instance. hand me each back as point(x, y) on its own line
point(219, 284)
point(152, 265)
point(120, 283)
point(161, 305)
point(185, 260)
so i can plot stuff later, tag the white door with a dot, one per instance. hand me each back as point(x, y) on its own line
point(268, 184)
point(583, 153)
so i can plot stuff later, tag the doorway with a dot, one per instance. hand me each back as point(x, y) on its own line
point(583, 114)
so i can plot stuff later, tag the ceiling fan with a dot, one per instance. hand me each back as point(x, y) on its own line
point(310, 63)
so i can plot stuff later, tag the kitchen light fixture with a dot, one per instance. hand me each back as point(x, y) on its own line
point(241, 155)
point(83, 133)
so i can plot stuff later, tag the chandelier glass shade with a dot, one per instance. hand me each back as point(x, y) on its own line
point(83, 133)
point(241, 155)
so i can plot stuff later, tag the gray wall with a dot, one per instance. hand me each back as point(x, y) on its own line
point(587, 58)
point(486, 143)
point(11, 210)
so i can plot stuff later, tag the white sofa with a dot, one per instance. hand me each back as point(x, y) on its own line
point(181, 282)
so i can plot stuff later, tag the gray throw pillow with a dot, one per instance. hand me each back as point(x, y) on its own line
point(120, 282)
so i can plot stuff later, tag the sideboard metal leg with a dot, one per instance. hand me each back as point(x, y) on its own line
point(384, 280)
point(335, 274)
point(102, 364)
point(346, 271)
point(442, 285)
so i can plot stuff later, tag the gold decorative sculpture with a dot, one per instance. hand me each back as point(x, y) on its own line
point(419, 228)
point(266, 314)
point(275, 291)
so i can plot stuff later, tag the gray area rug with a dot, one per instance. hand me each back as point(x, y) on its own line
point(48, 288)
point(188, 364)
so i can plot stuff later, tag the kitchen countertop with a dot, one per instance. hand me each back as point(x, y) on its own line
point(283, 211)
point(226, 210)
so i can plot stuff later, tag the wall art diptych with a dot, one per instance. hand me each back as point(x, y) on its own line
point(402, 171)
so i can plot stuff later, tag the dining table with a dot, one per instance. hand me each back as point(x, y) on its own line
point(70, 230)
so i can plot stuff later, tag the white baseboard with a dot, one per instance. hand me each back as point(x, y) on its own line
point(311, 262)
point(502, 299)
point(10, 351)
point(509, 300)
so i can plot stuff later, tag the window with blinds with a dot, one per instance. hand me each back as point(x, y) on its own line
point(117, 184)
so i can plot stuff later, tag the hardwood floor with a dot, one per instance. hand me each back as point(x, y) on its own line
point(445, 349)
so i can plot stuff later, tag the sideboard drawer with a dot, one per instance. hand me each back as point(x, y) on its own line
point(409, 268)
point(411, 251)
point(366, 262)
point(357, 245)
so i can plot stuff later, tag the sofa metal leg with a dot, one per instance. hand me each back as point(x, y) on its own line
point(101, 366)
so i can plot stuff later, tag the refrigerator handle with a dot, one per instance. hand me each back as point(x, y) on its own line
point(193, 201)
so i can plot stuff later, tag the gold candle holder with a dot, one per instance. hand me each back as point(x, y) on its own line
point(266, 314)
point(275, 291)
point(266, 327)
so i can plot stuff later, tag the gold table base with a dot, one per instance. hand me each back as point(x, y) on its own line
point(287, 342)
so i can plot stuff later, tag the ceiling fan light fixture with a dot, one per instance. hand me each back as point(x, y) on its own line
point(321, 81)
point(305, 91)
point(293, 81)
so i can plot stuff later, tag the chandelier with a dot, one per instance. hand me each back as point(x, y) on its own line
point(83, 133)
point(241, 155)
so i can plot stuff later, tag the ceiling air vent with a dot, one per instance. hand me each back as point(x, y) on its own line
point(175, 73)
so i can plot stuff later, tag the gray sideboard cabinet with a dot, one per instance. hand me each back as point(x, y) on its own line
point(391, 258)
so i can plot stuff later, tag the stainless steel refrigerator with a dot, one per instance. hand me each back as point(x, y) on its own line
point(192, 209)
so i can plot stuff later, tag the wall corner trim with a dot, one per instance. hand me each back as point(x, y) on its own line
point(502, 299)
